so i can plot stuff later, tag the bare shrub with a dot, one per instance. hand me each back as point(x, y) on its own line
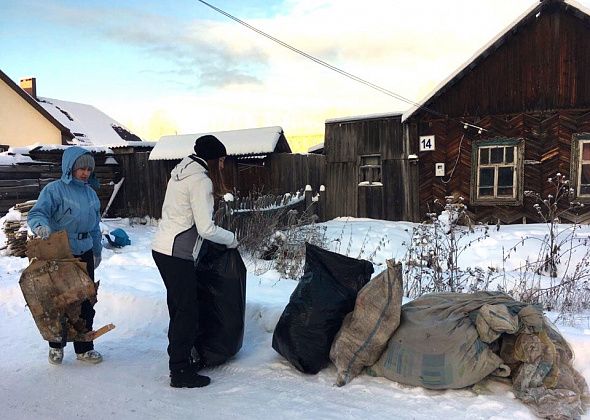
point(550, 279)
point(431, 263)
point(274, 229)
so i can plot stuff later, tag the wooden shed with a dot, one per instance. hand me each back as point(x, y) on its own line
point(510, 118)
point(259, 160)
point(368, 170)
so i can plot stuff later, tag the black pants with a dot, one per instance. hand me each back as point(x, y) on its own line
point(181, 287)
point(87, 311)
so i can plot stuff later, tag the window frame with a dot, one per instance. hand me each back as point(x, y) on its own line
point(518, 171)
point(372, 167)
point(577, 161)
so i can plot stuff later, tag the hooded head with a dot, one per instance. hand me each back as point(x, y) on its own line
point(209, 148)
point(75, 157)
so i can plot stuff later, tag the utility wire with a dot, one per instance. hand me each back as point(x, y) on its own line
point(321, 62)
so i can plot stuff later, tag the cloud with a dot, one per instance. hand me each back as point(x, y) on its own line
point(190, 49)
point(219, 75)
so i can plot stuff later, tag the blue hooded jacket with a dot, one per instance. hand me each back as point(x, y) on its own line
point(72, 205)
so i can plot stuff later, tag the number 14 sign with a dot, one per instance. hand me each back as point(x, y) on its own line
point(426, 143)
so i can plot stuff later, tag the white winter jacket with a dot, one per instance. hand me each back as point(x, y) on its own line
point(187, 213)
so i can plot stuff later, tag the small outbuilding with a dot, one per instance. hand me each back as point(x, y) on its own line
point(259, 159)
point(369, 172)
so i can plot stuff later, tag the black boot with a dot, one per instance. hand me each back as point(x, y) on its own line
point(188, 378)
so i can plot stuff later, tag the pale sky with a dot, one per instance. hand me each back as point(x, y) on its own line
point(166, 67)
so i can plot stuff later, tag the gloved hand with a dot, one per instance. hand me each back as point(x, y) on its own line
point(234, 243)
point(42, 231)
point(97, 260)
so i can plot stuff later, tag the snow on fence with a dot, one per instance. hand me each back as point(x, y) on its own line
point(248, 216)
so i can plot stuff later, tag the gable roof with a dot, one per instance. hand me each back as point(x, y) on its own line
point(363, 117)
point(245, 142)
point(65, 131)
point(89, 125)
point(531, 13)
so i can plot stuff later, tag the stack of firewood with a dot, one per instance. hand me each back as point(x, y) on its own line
point(16, 230)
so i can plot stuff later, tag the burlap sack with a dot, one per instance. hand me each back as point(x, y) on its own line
point(437, 345)
point(365, 331)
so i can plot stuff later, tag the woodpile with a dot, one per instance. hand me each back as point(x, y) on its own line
point(16, 230)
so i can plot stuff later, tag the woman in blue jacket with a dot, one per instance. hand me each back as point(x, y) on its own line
point(71, 204)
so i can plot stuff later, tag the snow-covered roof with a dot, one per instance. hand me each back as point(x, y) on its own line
point(493, 44)
point(249, 141)
point(8, 159)
point(315, 148)
point(89, 125)
point(363, 117)
point(23, 150)
point(125, 143)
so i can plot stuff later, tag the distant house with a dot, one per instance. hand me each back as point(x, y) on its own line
point(517, 113)
point(367, 168)
point(26, 119)
point(23, 121)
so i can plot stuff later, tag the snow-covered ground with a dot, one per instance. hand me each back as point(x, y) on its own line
point(258, 383)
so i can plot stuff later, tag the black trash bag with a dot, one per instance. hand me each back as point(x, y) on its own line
point(221, 275)
point(325, 294)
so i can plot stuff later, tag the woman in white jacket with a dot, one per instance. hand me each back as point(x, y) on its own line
point(187, 219)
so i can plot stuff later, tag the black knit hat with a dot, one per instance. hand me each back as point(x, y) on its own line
point(209, 147)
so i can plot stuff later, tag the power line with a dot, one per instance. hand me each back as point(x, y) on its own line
point(321, 62)
point(336, 69)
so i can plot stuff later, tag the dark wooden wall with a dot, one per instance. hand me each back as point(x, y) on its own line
point(345, 142)
point(543, 66)
point(534, 84)
point(547, 151)
point(24, 181)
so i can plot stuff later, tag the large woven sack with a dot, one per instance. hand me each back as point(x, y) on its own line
point(325, 294)
point(54, 286)
point(365, 331)
point(543, 374)
point(437, 345)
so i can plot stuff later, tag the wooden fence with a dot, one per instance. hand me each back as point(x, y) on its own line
point(250, 215)
point(144, 186)
point(143, 190)
point(24, 181)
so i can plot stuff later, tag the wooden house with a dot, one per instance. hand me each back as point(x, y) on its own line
point(369, 172)
point(516, 114)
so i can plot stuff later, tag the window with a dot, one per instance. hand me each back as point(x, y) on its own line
point(497, 171)
point(370, 170)
point(581, 165)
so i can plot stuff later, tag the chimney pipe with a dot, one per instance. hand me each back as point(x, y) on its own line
point(29, 85)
